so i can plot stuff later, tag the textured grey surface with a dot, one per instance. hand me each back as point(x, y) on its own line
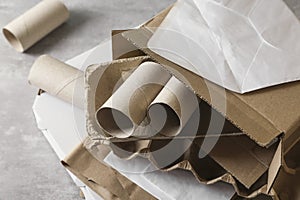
point(29, 168)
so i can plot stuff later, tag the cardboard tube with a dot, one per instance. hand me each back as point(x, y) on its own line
point(36, 23)
point(149, 102)
point(124, 111)
point(176, 103)
point(58, 79)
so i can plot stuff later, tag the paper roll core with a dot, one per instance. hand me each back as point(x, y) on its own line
point(126, 109)
point(164, 119)
point(36, 23)
point(58, 79)
point(13, 40)
point(115, 122)
point(151, 101)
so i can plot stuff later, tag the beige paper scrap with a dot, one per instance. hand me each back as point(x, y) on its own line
point(36, 23)
point(58, 79)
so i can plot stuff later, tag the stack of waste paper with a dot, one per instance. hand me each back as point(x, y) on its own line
point(200, 102)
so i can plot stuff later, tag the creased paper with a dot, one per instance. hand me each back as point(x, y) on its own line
point(58, 79)
point(101, 178)
point(244, 165)
point(33, 25)
point(240, 45)
point(150, 101)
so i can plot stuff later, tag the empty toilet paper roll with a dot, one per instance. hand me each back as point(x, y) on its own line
point(172, 108)
point(36, 23)
point(150, 102)
point(58, 79)
point(124, 111)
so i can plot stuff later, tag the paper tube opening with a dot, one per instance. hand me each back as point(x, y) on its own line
point(13, 40)
point(164, 119)
point(35, 23)
point(115, 122)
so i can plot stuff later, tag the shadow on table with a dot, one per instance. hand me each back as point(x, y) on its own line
point(76, 21)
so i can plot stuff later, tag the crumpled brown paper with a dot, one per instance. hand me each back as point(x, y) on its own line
point(102, 179)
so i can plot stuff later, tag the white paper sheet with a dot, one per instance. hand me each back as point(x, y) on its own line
point(240, 45)
point(60, 131)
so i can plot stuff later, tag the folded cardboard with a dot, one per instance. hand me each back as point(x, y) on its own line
point(265, 116)
point(259, 197)
point(258, 168)
point(71, 95)
point(63, 137)
point(64, 134)
point(125, 49)
point(177, 184)
point(287, 186)
point(260, 163)
point(292, 158)
point(252, 157)
point(253, 114)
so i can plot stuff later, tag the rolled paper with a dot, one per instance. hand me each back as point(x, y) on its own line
point(150, 102)
point(58, 79)
point(124, 111)
point(172, 108)
point(33, 25)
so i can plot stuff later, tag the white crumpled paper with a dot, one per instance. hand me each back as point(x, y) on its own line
point(241, 45)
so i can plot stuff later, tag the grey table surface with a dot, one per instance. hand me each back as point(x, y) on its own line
point(29, 168)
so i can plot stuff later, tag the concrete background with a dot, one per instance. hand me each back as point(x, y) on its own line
point(29, 168)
